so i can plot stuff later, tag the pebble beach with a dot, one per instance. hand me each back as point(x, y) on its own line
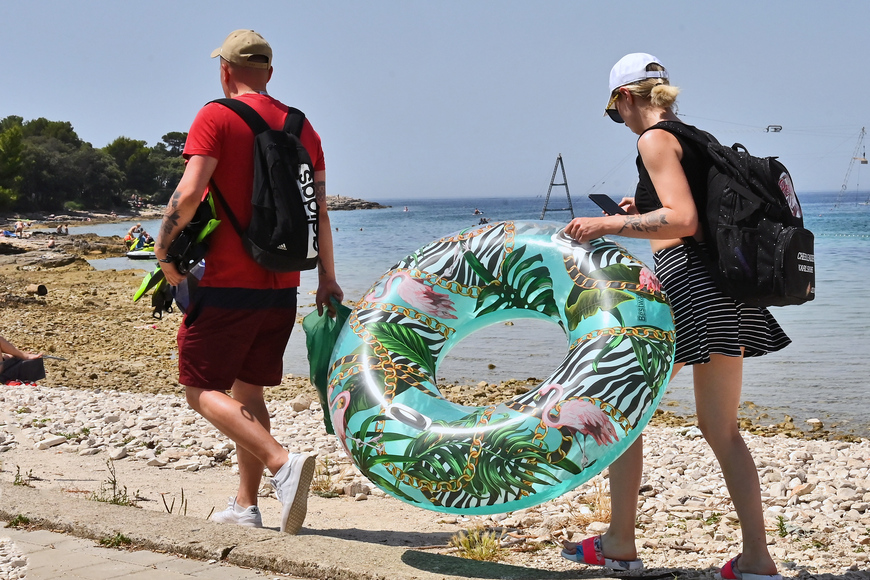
point(111, 412)
point(816, 494)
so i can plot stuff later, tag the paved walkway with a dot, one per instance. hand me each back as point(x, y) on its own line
point(203, 549)
point(52, 556)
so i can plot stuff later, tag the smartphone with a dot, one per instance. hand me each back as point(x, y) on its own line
point(607, 204)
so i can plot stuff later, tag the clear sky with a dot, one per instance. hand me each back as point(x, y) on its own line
point(459, 98)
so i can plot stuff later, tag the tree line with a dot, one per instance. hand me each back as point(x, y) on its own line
point(45, 166)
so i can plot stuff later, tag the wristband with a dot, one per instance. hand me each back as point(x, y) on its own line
point(166, 260)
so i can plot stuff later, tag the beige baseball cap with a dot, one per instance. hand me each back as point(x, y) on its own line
point(241, 45)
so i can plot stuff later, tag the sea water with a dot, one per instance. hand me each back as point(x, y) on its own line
point(822, 374)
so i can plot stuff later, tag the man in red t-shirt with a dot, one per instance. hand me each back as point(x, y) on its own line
point(239, 320)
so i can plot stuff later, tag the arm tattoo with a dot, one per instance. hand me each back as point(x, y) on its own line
point(649, 222)
point(170, 220)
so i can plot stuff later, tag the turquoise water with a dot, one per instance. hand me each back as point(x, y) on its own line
point(823, 373)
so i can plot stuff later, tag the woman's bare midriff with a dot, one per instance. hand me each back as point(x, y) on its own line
point(657, 245)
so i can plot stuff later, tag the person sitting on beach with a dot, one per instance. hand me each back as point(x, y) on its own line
point(232, 339)
point(714, 333)
point(18, 365)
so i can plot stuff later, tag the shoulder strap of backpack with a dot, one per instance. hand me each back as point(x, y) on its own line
point(256, 123)
point(247, 113)
point(702, 138)
point(294, 122)
point(232, 217)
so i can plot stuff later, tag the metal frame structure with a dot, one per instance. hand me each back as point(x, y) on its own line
point(553, 183)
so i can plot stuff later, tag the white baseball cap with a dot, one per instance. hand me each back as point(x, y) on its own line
point(630, 69)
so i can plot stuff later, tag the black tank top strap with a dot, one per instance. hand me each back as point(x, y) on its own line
point(695, 163)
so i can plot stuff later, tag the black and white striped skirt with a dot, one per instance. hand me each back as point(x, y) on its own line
point(707, 321)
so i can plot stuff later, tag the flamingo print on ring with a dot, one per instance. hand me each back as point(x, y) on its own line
point(577, 416)
point(416, 294)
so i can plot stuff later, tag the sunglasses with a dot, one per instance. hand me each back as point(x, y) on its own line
point(611, 111)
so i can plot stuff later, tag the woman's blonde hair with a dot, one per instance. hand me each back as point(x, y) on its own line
point(659, 91)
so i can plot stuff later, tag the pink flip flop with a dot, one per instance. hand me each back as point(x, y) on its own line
point(589, 552)
point(730, 572)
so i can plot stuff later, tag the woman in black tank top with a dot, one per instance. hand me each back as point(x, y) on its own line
point(665, 208)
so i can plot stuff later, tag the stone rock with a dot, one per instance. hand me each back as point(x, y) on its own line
point(117, 453)
point(146, 455)
point(597, 528)
point(300, 404)
point(803, 489)
point(51, 441)
point(356, 488)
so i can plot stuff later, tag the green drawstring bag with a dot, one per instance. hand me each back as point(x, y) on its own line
point(321, 333)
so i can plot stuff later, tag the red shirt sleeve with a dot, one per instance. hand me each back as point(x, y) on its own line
point(311, 141)
point(206, 133)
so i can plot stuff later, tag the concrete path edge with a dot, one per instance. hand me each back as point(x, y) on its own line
point(308, 555)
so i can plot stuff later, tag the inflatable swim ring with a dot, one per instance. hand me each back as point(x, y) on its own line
point(418, 446)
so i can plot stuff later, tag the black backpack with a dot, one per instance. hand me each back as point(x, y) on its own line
point(759, 253)
point(282, 234)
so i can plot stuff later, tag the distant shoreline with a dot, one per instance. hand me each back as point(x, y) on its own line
point(148, 211)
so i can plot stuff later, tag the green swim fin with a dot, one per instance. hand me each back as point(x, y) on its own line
point(151, 280)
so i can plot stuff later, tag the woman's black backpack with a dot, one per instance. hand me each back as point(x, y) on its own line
point(759, 253)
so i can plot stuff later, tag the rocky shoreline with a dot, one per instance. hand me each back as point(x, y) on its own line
point(148, 212)
point(47, 247)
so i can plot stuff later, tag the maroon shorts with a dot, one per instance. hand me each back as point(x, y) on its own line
point(232, 333)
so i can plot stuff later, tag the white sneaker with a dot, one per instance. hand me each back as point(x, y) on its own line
point(291, 484)
point(249, 517)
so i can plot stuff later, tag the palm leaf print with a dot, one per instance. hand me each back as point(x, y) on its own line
point(524, 285)
point(404, 342)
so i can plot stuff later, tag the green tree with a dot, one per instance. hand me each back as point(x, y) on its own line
point(11, 121)
point(169, 172)
point(11, 146)
point(61, 130)
point(132, 156)
point(48, 178)
point(175, 141)
point(44, 164)
point(99, 181)
point(169, 164)
point(123, 148)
